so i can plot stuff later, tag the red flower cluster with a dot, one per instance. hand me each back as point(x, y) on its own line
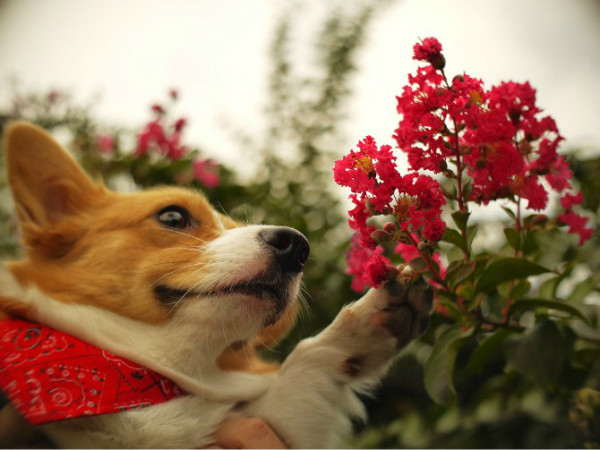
point(494, 143)
point(163, 137)
point(497, 137)
point(105, 143)
point(430, 50)
point(206, 171)
point(413, 200)
point(368, 267)
point(575, 222)
point(155, 137)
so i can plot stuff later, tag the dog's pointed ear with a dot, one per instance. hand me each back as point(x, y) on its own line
point(46, 183)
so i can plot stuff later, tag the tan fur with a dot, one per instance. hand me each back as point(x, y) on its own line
point(87, 244)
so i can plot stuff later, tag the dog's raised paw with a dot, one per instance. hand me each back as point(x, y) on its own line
point(406, 315)
point(382, 322)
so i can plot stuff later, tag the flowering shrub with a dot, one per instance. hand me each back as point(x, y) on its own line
point(466, 145)
point(159, 144)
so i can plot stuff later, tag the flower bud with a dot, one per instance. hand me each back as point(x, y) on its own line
point(379, 236)
point(514, 115)
point(390, 228)
point(438, 61)
point(425, 245)
point(458, 79)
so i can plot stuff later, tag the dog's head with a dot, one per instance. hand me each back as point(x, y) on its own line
point(156, 256)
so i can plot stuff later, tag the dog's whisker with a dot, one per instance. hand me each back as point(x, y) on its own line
point(185, 234)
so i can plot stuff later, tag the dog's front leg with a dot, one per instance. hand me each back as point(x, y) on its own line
point(313, 400)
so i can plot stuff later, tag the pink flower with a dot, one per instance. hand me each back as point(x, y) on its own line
point(105, 143)
point(154, 136)
point(503, 142)
point(53, 96)
point(568, 200)
point(368, 267)
point(535, 193)
point(413, 200)
point(157, 109)
point(378, 188)
point(179, 124)
point(576, 225)
point(408, 252)
point(153, 133)
point(206, 172)
point(174, 94)
point(430, 50)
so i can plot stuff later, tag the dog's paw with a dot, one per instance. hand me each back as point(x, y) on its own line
point(406, 315)
point(383, 321)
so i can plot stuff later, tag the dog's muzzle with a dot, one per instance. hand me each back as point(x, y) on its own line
point(288, 246)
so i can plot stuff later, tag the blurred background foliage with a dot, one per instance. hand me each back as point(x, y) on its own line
point(532, 389)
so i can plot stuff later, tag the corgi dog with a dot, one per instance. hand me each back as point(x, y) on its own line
point(162, 285)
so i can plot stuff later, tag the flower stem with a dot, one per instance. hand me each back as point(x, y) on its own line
point(519, 228)
point(430, 266)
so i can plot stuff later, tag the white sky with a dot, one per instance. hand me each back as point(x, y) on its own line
point(215, 53)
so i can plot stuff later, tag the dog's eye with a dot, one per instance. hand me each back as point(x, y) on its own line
point(174, 216)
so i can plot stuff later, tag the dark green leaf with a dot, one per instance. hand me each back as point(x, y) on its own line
point(520, 289)
point(453, 237)
point(513, 237)
point(582, 290)
point(466, 290)
point(529, 244)
point(471, 233)
point(507, 269)
point(526, 304)
point(510, 212)
point(459, 272)
point(487, 349)
point(460, 219)
point(548, 288)
point(439, 367)
point(538, 354)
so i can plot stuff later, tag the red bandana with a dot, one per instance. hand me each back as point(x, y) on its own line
point(49, 375)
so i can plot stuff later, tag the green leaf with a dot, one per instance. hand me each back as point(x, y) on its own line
point(489, 347)
point(471, 233)
point(466, 290)
point(512, 237)
point(538, 354)
point(529, 244)
point(460, 219)
point(507, 269)
point(510, 212)
point(582, 290)
point(459, 272)
point(520, 289)
point(526, 304)
point(439, 367)
point(453, 237)
point(548, 288)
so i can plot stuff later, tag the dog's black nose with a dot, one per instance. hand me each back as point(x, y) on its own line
point(289, 247)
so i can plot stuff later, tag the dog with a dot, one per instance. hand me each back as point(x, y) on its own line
point(161, 283)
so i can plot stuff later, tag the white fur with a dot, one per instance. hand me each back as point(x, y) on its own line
point(309, 402)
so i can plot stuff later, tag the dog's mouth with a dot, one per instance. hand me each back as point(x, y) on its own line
point(274, 294)
point(275, 291)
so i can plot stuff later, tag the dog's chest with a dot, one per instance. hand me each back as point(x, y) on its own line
point(184, 422)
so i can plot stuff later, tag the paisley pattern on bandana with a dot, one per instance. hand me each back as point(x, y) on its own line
point(49, 375)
